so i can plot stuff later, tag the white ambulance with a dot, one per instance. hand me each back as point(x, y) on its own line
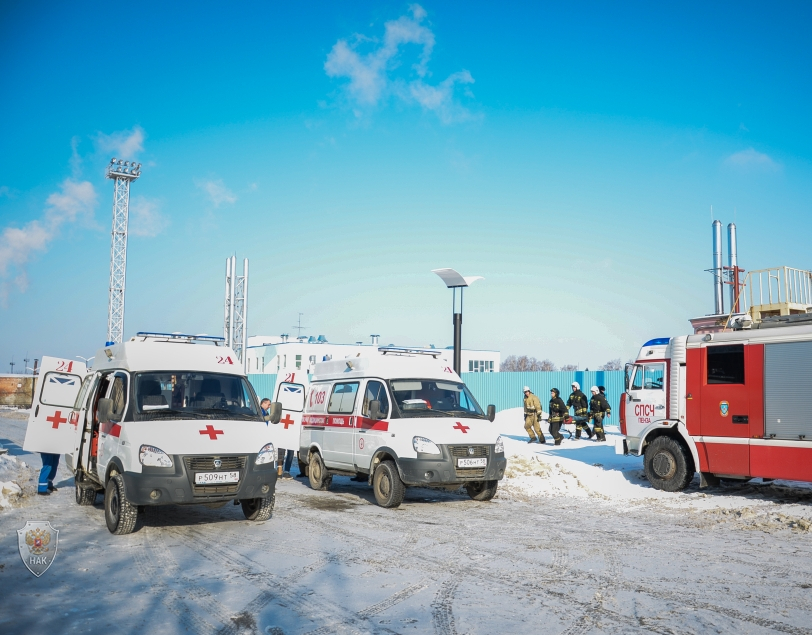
point(397, 419)
point(162, 419)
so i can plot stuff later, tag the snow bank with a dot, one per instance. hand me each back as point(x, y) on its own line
point(12, 472)
point(588, 469)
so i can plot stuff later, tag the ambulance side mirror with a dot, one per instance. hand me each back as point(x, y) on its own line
point(491, 413)
point(105, 409)
point(275, 412)
point(374, 409)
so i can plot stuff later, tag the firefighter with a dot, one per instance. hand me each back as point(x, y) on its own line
point(580, 404)
point(558, 413)
point(599, 408)
point(532, 415)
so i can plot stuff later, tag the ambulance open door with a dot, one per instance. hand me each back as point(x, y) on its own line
point(51, 426)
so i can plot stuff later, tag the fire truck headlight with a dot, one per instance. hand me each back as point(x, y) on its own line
point(499, 448)
point(425, 446)
point(151, 456)
point(266, 454)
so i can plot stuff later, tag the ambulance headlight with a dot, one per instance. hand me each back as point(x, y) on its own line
point(266, 455)
point(499, 448)
point(425, 446)
point(151, 456)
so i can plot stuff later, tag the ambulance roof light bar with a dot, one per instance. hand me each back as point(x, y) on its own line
point(218, 341)
point(398, 350)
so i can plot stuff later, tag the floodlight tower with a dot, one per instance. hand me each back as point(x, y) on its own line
point(123, 173)
point(236, 308)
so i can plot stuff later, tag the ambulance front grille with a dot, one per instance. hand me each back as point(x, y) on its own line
point(462, 450)
point(470, 472)
point(206, 463)
point(215, 490)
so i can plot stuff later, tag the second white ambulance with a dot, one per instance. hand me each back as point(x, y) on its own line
point(397, 419)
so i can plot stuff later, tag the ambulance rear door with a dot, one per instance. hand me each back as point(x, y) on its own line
point(291, 394)
point(58, 385)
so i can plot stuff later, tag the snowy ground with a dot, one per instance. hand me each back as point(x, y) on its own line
point(567, 547)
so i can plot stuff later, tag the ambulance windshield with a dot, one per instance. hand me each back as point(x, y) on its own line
point(189, 395)
point(433, 398)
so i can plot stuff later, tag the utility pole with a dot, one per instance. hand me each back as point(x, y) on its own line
point(236, 308)
point(123, 173)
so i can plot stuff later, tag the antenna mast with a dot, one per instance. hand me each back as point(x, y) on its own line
point(123, 173)
point(236, 308)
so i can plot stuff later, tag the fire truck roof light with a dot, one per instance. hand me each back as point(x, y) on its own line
point(659, 341)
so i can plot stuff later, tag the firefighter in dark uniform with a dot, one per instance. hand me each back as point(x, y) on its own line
point(599, 409)
point(580, 404)
point(558, 413)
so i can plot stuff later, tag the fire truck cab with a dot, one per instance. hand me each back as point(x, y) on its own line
point(731, 404)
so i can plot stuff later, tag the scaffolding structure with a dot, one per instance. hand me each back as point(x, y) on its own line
point(123, 173)
point(236, 308)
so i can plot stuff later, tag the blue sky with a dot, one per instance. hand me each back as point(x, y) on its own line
point(568, 154)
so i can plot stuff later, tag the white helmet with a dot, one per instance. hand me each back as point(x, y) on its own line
point(576, 385)
point(526, 389)
point(594, 389)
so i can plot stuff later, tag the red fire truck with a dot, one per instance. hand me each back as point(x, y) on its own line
point(733, 404)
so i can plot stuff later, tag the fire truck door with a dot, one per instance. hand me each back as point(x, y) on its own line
point(725, 409)
point(647, 392)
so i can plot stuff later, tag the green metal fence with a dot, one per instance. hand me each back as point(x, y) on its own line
point(504, 390)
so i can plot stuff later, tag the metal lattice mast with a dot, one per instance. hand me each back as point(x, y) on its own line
point(122, 173)
point(236, 308)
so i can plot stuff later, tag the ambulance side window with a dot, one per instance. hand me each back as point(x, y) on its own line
point(376, 391)
point(726, 364)
point(291, 396)
point(342, 400)
point(83, 392)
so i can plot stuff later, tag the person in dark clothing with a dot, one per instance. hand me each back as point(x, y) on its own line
point(558, 413)
point(580, 404)
point(598, 409)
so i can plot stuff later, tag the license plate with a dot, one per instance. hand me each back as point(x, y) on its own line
point(483, 462)
point(204, 478)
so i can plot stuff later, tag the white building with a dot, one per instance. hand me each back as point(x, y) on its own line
point(277, 353)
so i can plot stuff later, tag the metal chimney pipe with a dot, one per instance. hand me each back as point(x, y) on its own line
point(719, 301)
point(733, 264)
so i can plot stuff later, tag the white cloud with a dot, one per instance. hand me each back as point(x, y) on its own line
point(124, 144)
point(146, 218)
point(19, 244)
point(371, 75)
point(752, 159)
point(217, 192)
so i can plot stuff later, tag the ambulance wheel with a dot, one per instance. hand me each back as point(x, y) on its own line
point(668, 465)
point(258, 509)
point(317, 473)
point(85, 495)
point(120, 514)
point(389, 490)
point(482, 490)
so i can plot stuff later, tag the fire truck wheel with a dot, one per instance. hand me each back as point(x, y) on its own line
point(121, 515)
point(85, 495)
point(317, 473)
point(667, 465)
point(482, 490)
point(258, 509)
point(389, 490)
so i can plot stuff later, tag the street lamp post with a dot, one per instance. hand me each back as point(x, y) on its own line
point(453, 280)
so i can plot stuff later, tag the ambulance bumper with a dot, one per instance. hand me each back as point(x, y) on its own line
point(176, 485)
point(444, 471)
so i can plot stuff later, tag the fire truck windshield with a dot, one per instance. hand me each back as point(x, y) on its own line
point(189, 395)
